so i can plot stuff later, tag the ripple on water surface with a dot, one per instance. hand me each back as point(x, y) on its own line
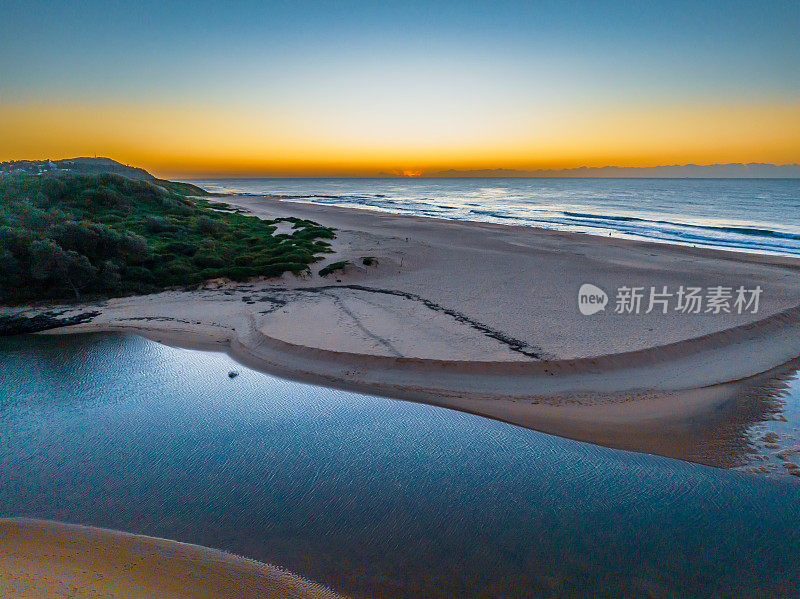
point(374, 497)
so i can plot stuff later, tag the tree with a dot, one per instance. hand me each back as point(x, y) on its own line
point(50, 264)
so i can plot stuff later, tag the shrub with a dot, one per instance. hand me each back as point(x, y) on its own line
point(159, 224)
point(73, 235)
point(333, 267)
point(208, 261)
point(206, 225)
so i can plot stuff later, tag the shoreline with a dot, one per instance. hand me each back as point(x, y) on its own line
point(45, 559)
point(575, 225)
point(420, 326)
point(705, 424)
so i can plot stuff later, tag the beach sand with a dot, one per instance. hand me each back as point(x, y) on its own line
point(49, 560)
point(484, 318)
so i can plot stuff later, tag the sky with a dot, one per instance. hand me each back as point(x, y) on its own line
point(361, 88)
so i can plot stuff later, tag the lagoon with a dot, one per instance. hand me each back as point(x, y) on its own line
point(371, 496)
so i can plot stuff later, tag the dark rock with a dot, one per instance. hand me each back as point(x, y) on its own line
point(18, 324)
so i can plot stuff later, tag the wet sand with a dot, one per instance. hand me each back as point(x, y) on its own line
point(49, 560)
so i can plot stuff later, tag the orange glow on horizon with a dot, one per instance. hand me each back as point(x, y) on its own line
point(202, 141)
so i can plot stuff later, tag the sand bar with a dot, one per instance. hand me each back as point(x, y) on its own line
point(44, 560)
point(484, 318)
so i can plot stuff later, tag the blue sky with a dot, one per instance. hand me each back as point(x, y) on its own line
point(158, 48)
point(422, 61)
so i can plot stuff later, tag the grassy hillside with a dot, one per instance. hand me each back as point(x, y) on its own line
point(67, 235)
point(184, 189)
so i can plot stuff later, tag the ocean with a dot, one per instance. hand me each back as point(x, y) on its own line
point(754, 215)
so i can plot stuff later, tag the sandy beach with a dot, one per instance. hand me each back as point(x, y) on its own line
point(44, 560)
point(484, 318)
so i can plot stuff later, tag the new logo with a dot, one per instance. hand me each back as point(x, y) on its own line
point(591, 299)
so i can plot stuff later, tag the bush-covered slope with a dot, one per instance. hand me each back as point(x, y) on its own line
point(102, 235)
point(184, 189)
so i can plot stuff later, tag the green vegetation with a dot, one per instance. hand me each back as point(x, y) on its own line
point(333, 267)
point(184, 189)
point(70, 235)
point(368, 261)
point(222, 206)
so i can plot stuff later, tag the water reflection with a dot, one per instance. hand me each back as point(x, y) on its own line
point(774, 440)
point(753, 426)
point(374, 497)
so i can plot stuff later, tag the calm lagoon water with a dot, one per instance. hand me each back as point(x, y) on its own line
point(372, 496)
